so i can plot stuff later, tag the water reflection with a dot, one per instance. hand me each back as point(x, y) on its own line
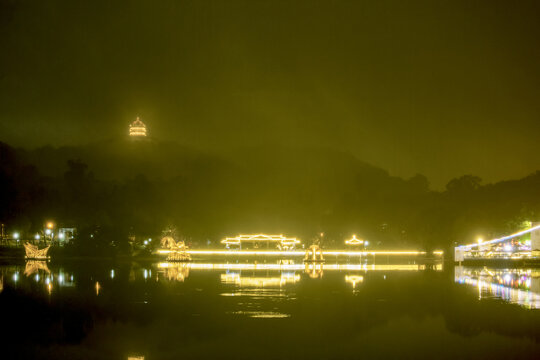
point(284, 278)
point(173, 271)
point(517, 286)
point(35, 266)
point(200, 310)
point(354, 280)
point(253, 275)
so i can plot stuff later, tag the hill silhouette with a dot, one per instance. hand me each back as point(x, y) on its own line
point(318, 194)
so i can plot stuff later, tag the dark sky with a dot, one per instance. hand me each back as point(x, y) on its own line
point(441, 88)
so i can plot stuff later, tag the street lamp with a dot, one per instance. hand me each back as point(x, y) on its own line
point(36, 237)
point(16, 236)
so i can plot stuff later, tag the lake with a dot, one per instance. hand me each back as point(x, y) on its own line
point(267, 309)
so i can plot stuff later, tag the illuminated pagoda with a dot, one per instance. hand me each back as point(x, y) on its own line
point(137, 129)
point(260, 241)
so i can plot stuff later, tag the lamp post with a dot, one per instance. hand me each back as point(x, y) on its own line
point(49, 231)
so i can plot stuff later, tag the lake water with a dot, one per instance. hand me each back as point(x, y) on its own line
point(223, 309)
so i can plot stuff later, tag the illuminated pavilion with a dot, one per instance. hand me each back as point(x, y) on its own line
point(137, 129)
point(260, 241)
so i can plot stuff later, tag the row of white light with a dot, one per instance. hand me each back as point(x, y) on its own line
point(295, 267)
point(504, 238)
point(301, 253)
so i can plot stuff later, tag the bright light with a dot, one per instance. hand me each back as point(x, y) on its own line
point(50, 225)
point(61, 235)
point(354, 241)
point(284, 241)
point(237, 279)
point(295, 267)
point(366, 243)
point(36, 237)
point(480, 240)
point(16, 236)
point(354, 279)
point(137, 128)
point(507, 248)
point(48, 231)
point(293, 252)
point(504, 238)
point(145, 242)
point(33, 252)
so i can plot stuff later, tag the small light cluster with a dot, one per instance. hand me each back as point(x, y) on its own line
point(137, 128)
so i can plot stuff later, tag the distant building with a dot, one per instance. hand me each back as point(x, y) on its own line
point(65, 235)
point(137, 129)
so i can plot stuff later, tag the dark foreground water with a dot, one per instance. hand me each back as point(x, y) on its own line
point(248, 310)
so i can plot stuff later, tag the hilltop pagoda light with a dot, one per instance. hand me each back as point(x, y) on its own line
point(137, 129)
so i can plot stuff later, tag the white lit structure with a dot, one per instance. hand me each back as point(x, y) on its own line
point(137, 129)
point(506, 247)
point(260, 241)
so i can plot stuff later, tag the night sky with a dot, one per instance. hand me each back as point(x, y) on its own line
point(441, 88)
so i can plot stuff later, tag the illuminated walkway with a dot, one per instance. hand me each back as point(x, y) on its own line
point(295, 267)
point(303, 252)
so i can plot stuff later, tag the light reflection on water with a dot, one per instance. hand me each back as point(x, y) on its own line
point(516, 286)
point(275, 281)
point(130, 307)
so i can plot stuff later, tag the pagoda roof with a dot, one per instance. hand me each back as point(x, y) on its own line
point(138, 122)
